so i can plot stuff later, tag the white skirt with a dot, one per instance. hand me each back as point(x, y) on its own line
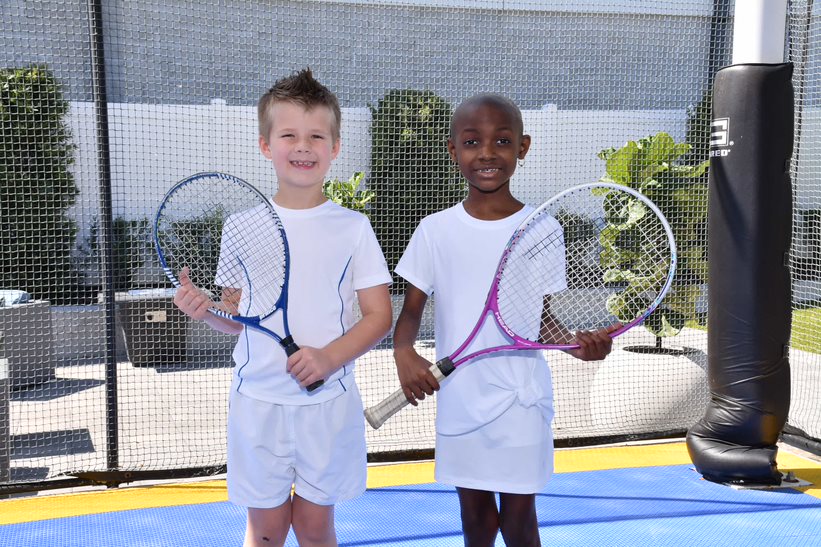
point(512, 454)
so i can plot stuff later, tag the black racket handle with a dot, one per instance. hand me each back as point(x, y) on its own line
point(315, 385)
point(291, 348)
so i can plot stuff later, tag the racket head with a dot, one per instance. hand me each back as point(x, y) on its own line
point(230, 236)
point(593, 256)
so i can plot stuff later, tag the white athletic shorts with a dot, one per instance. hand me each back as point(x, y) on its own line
point(511, 454)
point(318, 449)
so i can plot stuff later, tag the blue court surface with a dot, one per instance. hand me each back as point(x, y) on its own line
point(651, 506)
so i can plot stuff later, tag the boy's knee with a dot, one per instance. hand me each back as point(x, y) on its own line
point(313, 524)
point(480, 525)
point(266, 527)
point(308, 535)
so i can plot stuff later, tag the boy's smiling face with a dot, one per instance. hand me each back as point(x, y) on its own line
point(300, 144)
point(487, 141)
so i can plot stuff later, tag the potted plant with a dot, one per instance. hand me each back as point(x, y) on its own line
point(37, 188)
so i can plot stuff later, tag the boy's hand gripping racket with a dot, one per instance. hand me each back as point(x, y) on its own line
point(596, 256)
point(230, 237)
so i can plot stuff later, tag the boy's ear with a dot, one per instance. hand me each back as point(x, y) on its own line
point(335, 149)
point(524, 146)
point(264, 147)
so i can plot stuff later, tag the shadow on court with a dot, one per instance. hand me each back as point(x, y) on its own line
point(54, 389)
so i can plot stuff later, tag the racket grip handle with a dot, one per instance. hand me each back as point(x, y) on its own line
point(290, 348)
point(396, 401)
point(289, 345)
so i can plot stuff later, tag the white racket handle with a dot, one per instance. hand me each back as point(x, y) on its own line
point(396, 401)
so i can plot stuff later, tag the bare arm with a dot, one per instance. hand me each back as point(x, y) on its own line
point(310, 365)
point(414, 374)
point(193, 302)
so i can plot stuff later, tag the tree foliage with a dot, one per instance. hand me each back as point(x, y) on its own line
point(349, 193)
point(36, 186)
point(411, 172)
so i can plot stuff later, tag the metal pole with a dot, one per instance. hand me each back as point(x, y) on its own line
point(5, 421)
point(95, 29)
point(759, 31)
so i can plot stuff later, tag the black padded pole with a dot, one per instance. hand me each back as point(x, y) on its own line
point(750, 226)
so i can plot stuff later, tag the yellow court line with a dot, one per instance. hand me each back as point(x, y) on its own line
point(565, 461)
point(803, 468)
point(620, 457)
point(19, 510)
point(385, 475)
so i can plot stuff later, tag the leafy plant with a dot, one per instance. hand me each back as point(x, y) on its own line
point(411, 172)
point(349, 193)
point(36, 186)
point(653, 166)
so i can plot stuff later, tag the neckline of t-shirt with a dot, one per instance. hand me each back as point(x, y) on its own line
point(302, 213)
point(515, 219)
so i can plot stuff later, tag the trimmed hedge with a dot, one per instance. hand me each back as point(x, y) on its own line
point(411, 172)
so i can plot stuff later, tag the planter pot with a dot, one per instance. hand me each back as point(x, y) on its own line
point(28, 343)
point(155, 329)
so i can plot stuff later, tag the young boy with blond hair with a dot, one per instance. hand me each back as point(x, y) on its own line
point(294, 453)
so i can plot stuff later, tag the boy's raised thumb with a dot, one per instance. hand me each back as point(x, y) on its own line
point(184, 277)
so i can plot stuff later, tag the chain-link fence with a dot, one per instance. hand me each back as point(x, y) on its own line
point(104, 108)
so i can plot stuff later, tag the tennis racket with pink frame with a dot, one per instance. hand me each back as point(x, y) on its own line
point(592, 257)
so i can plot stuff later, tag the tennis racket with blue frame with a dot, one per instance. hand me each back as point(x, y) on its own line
point(230, 237)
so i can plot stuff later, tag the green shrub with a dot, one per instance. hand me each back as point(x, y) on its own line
point(36, 186)
point(132, 248)
point(411, 172)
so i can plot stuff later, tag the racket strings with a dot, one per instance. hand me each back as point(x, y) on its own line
point(534, 267)
point(583, 262)
point(253, 260)
point(229, 237)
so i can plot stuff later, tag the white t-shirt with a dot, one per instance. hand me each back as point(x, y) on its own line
point(454, 256)
point(333, 253)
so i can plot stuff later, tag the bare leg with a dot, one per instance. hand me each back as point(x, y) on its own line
point(313, 524)
point(480, 517)
point(268, 527)
point(519, 523)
